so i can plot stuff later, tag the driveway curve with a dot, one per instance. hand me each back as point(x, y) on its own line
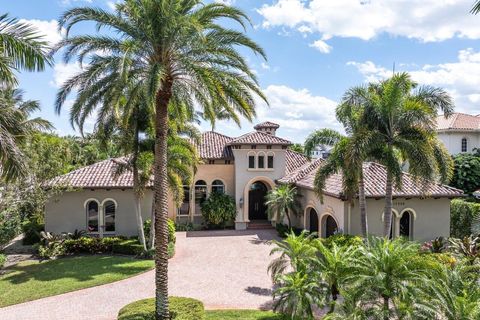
point(224, 269)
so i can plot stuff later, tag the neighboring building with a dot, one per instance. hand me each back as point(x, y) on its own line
point(321, 151)
point(246, 168)
point(459, 132)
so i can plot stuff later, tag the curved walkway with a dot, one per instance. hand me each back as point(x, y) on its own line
point(224, 269)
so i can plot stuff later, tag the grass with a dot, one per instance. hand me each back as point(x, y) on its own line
point(243, 314)
point(34, 280)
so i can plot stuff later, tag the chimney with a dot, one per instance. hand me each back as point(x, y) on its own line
point(267, 127)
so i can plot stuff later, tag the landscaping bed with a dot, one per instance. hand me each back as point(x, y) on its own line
point(191, 309)
point(32, 280)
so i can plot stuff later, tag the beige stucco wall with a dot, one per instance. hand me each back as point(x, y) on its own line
point(66, 212)
point(453, 141)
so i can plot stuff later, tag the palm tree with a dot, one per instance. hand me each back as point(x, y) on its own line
point(346, 155)
point(400, 118)
point(476, 7)
point(21, 48)
point(282, 201)
point(181, 55)
point(388, 273)
point(15, 127)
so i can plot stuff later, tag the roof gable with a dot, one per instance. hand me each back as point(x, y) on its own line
point(214, 145)
point(257, 137)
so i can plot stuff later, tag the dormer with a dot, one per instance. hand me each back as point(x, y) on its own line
point(267, 127)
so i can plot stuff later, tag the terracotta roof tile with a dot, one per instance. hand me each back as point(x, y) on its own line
point(214, 145)
point(458, 121)
point(259, 138)
point(294, 161)
point(266, 124)
point(375, 182)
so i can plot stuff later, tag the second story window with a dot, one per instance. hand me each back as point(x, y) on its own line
point(251, 162)
point(270, 161)
point(464, 145)
point(261, 162)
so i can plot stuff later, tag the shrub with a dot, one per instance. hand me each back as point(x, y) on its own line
point(3, 259)
point(342, 240)
point(437, 245)
point(10, 226)
point(147, 226)
point(128, 247)
point(51, 250)
point(466, 173)
point(171, 250)
point(91, 245)
point(218, 209)
point(180, 309)
point(188, 226)
point(463, 214)
point(283, 230)
point(31, 230)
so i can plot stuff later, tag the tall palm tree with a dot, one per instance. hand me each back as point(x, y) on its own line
point(181, 55)
point(401, 120)
point(21, 48)
point(476, 7)
point(15, 127)
point(282, 201)
point(346, 156)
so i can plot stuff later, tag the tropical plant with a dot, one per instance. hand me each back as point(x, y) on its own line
point(466, 172)
point(390, 276)
point(400, 118)
point(21, 48)
point(180, 56)
point(463, 217)
point(297, 147)
point(345, 156)
point(467, 247)
point(282, 201)
point(219, 209)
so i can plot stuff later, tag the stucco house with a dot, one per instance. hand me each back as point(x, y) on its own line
point(460, 132)
point(247, 167)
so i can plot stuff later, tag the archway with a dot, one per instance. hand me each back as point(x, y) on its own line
point(329, 226)
point(257, 210)
point(313, 219)
point(406, 224)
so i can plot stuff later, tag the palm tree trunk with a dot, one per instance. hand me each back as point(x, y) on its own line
point(161, 200)
point(387, 219)
point(386, 308)
point(137, 192)
point(138, 212)
point(334, 292)
point(288, 218)
point(151, 238)
point(363, 204)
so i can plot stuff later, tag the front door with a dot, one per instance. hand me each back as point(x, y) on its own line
point(257, 210)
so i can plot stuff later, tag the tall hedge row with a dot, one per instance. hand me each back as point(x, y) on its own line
point(465, 218)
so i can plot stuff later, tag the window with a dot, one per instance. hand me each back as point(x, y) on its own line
point(261, 162)
point(92, 216)
point(253, 146)
point(218, 186)
point(109, 209)
point(200, 195)
point(251, 162)
point(464, 145)
point(406, 224)
point(184, 209)
point(270, 160)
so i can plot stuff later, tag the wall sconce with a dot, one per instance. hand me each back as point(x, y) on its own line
point(240, 202)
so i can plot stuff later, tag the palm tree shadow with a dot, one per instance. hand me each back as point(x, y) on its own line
point(70, 268)
point(259, 291)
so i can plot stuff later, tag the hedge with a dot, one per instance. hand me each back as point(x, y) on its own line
point(463, 216)
point(180, 309)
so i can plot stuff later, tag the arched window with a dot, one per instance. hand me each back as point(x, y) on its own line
point(261, 160)
point(92, 216)
point(109, 210)
point(218, 186)
point(200, 195)
point(184, 209)
point(406, 225)
point(464, 145)
point(251, 160)
point(329, 226)
point(270, 160)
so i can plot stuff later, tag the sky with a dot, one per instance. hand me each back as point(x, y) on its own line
point(316, 50)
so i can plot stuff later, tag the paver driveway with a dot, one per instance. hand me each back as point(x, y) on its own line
point(224, 269)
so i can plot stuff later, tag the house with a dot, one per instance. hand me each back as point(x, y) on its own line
point(321, 151)
point(247, 167)
point(459, 132)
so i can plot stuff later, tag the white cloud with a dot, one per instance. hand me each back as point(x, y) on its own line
point(427, 20)
point(69, 2)
point(49, 30)
point(460, 78)
point(321, 46)
point(227, 2)
point(112, 4)
point(265, 66)
point(297, 111)
point(64, 71)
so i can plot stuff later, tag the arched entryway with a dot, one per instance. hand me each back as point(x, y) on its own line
point(257, 210)
point(329, 226)
point(313, 220)
point(406, 224)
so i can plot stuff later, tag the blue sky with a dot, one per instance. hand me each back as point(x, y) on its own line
point(316, 50)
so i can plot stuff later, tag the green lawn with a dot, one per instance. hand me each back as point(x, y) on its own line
point(34, 280)
point(242, 314)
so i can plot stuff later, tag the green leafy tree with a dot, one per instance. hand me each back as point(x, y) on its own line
point(400, 118)
point(182, 56)
point(219, 209)
point(464, 217)
point(283, 201)
point(297, 147)
point(22, 47)
point(466, 172)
